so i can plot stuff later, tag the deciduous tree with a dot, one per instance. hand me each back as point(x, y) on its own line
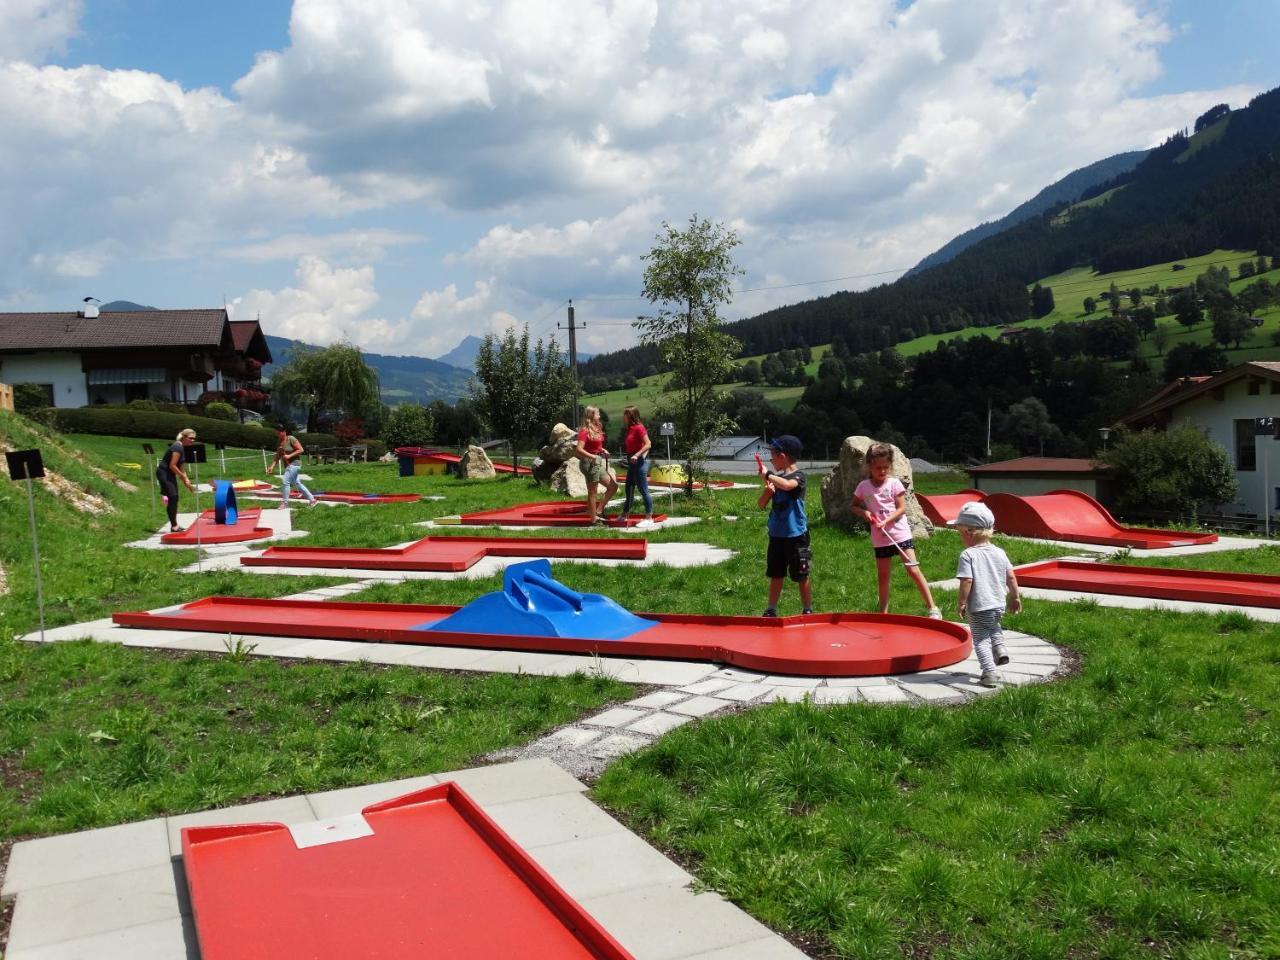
point(688, 276)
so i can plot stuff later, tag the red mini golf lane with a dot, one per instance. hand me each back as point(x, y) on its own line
point(1078, 518)
point(444, 456)
point(552, 513)
point(435, 877)
point(1158, 583)
point(450, 553)
point(245, 528)
point(346, 496)
point(817, 645)
point(942, 508)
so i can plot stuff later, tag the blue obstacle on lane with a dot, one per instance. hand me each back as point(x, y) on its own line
point(224, 503)
point(532, 603)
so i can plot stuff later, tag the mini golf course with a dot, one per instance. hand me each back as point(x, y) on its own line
point(450, 554)
point(534, 612)
point(1076, 517)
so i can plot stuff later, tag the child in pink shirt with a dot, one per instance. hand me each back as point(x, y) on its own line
point(881, 500)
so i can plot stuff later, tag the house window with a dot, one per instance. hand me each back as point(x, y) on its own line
point(1246, 448)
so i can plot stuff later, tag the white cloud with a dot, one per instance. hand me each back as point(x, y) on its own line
point(325, 305)
point(543, 144)
point(357, 245)
point(32, 29)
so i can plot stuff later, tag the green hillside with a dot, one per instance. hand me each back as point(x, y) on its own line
point(1069, 290)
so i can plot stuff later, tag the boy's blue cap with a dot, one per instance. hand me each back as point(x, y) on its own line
point(787, 444)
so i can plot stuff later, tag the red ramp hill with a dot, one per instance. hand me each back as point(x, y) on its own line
point(942, 508)
point(1078, 518)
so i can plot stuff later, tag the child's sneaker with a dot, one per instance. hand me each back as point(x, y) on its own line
point(935, 613)
point(770, 612)
point(998, 651)
point(599, 521)
point(807, 610)
point(645, 524)
point(989, 679)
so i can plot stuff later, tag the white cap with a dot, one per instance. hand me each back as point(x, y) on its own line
point(974, 514)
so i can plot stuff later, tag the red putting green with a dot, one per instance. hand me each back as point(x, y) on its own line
point(552, 513)
point(817, 645)
point(210, 531)
point(1158, 583)
point(449, 553)
point(428, 874)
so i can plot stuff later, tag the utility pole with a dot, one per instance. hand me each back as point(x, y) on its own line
point(573, 361)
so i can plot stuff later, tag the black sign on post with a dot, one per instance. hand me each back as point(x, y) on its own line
point(25, 464)
point(194, 454)
point(149, 450)
point(1267, 427)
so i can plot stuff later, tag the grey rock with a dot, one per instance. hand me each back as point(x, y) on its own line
point(839, 484)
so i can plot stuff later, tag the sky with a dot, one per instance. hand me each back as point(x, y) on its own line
point(403, 173)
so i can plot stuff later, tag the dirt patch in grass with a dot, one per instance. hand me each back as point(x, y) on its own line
point(4, 581)
point(6, 906)
point(14, 778)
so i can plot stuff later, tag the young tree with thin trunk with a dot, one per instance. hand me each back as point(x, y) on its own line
point(688, 276)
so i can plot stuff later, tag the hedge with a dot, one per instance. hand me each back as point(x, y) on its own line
point(153, 425)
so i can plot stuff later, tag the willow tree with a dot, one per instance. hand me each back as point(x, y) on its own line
point(333, 379)
point(689, 274)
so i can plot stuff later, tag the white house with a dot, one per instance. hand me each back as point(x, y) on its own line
point(737, 448)
point(114, 357)
point(1228, 407)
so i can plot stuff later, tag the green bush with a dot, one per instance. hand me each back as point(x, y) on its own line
point(377, 449)
point(151, 425)
point(141, 405)
point(1172, 471)
point(408, 425)
point(29, 397)
point(217, 410)
point(317, 443)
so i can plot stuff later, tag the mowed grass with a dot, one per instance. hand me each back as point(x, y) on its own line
point(93, 734)
point(1128, 810)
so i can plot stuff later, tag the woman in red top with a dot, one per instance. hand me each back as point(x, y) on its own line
point(595, 462)
point(637, 444)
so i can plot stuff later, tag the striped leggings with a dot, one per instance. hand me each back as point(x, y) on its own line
point(986, 629)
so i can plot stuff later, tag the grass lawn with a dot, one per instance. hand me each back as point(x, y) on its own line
point(1126, 811)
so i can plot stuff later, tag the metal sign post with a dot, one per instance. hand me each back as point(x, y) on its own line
point(28, 465)
point(150, 452)
point(668, 430)
point(222, 455)
point(1266, 427)
point(195, 455)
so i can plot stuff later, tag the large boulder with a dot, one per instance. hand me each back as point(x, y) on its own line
point(568, 479)
point(838, 486)
point(476, 465)
point(559, 450)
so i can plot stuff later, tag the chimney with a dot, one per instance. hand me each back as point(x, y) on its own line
point(90, 309)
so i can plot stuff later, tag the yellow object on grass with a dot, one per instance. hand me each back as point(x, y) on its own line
point(668, 473)
point(130, 466)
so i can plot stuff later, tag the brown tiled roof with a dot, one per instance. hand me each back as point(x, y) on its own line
point(142, 328)
point(1266, 369)
point(249, 340)
point(1040, 465)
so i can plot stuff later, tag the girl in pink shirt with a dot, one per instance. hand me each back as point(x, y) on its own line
point(881, 500)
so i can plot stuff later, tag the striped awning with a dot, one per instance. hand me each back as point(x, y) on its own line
point(99, 378)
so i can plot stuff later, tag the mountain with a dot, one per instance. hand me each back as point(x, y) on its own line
point(123, 306)
point(1218, 188)
point(1070, 188)
point(463, 356)
point(403, 379)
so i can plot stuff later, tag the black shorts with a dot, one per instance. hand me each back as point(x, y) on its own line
point(789, 555)
point(889, 550)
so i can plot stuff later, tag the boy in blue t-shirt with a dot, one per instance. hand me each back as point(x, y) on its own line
point(789, 551)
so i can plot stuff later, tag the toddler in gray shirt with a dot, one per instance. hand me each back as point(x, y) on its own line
point(986, 580)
